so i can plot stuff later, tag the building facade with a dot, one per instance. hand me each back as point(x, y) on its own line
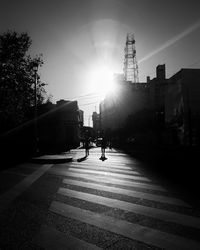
point(58, 126)
point(96, 124)
point(127, 99)
point(169, 107)
point(182, 107)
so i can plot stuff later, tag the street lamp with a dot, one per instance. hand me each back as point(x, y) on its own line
point(35, 69)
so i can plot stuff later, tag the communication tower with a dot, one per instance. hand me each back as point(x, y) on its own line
point(130, 62)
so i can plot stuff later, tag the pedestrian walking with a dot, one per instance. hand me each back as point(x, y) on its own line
point(103, 148)
point(87, 146)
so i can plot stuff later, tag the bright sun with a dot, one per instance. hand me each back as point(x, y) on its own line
point(101, 81)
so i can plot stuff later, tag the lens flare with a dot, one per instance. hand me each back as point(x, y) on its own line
point(101, 81)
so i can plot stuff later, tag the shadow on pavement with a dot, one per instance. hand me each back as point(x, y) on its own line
point(50, 161)
point(175, 168)
point(82, 159)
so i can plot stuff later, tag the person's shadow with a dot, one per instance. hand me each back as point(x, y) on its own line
point(103, 158)
point(82, 159)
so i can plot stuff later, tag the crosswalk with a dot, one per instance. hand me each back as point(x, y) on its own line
point(118, 203)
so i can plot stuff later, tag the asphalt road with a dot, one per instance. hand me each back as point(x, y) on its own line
point(118, 203)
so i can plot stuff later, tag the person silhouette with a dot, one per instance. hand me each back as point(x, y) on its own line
point(103, 148)
point(87, 146)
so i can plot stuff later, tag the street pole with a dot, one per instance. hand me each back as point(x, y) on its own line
point(36, 149)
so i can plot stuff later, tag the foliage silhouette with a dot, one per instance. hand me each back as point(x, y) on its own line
point(17, 79)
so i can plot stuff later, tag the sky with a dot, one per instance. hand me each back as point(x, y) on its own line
point(78, 37)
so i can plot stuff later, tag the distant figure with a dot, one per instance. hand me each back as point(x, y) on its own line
point(87, 146)
point(103, 147)
point(110, 144)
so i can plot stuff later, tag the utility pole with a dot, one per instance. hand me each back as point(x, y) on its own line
point(35, 69)
point(130, 62)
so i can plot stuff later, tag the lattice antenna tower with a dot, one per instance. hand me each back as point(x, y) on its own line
point(130, 62)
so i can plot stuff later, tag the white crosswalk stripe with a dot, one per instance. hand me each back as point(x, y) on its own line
point(106, 179)
point(84, 182)
point(111, 174)
point(130, 230)
point(130, 207)
point(141, 195)
point(105, 169)
point(99, 166)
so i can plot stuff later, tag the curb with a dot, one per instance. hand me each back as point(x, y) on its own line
point(41, 160)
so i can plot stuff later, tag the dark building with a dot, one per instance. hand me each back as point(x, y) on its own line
point(127, 99)
point(96, 124)
point(182, 107)
point(58, 126)
point(81, 117)
point(120, 108)
point(57, 129)
point(170, 107)
point(157, 91)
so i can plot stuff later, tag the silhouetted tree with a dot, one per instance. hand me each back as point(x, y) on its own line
point(17, 79)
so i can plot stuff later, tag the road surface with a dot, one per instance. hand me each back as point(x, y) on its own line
point(93, 204)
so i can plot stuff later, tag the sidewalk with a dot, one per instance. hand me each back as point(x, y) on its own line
point(53, 159)
point(72, 155)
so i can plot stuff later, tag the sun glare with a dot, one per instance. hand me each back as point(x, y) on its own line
point(101, 81)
